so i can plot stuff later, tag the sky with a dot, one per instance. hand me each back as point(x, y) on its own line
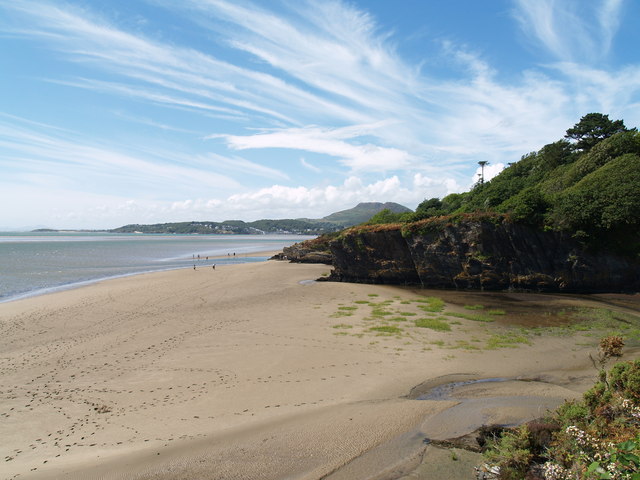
point(151, 111)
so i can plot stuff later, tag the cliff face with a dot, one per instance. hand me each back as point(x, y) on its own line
point(478, 255)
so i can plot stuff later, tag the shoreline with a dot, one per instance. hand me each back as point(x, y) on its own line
point(84, 283)
point(251, 372)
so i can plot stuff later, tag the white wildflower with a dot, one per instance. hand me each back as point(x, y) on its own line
point(553, 471)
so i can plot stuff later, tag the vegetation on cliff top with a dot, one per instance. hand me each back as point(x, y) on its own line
point(587, 184)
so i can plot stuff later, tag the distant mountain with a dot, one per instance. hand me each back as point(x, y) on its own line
point(362, 212)
point(331, 223)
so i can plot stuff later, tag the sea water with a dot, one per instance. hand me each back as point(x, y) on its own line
point(41, 262)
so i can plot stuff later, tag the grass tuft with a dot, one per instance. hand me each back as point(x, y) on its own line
point(474, 307)
point(437, 324)
point(506, 340)
point(386, 329)
point(433, 304)
point(476, 317)
point(341, 313)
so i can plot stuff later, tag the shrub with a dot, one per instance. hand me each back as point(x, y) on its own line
point(611, 346)
point(625, 379)
point(596, 438)
point(512, 454)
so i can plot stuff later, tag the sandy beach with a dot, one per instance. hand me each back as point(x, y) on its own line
point(255, 371)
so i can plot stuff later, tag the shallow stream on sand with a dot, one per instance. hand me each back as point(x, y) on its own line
point(475, 402)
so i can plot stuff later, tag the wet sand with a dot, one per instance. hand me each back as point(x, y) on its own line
point(251, 371)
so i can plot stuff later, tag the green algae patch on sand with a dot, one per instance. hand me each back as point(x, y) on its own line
point(595, 322)
point(433, 304)
point(430, 320)
point(386, 330)
point(341, 313)
point(507, 340)
point(438, 324)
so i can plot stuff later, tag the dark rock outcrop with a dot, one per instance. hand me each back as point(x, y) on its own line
point(491, 254)
point(310, 251)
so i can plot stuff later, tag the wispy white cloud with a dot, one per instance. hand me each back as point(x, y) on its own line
point(609, 17)
point(309, 166)
point(152, 123)
point(244, 166)
point(330, 65)
point(569, 29)
point(614, 92)
point(161, 65)
point(365, 156)
point(329, 46)
point(65, 159)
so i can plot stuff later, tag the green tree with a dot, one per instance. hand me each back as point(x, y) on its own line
point(453, 202)
point(605, 205)
point(431, 207)
point(384, 216)
point(528, 206)
point(593, 128)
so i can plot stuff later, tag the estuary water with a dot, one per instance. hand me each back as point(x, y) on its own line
point(42, 262)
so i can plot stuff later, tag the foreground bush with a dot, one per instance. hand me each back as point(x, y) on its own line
point(595, 438)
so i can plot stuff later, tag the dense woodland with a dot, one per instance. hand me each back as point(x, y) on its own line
point(587, 183)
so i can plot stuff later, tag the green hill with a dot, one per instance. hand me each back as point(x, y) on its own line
point(363, 212)
point(589, 187)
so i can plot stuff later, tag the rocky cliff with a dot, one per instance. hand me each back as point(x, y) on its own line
point(309, 251)
point(480, 253)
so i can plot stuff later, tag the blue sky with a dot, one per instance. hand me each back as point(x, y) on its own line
point(145, 111)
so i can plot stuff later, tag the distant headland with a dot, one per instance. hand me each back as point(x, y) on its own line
point(301, 226)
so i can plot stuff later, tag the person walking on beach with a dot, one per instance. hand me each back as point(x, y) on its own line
point(214, 266)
